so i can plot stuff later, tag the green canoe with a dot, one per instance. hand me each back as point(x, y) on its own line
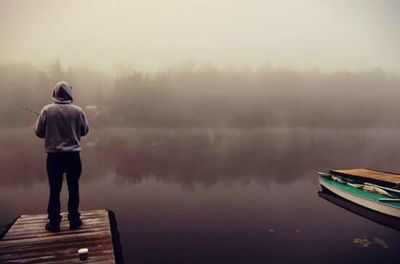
point(385, 204)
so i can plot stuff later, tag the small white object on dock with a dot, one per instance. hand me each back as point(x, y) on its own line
point(83, 253)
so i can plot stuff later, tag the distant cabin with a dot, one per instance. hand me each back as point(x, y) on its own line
point(96, 110)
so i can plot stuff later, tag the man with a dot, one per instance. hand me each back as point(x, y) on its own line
point(62, 124)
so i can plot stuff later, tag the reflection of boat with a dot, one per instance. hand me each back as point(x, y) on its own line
point(371, 189)
point(386, 220)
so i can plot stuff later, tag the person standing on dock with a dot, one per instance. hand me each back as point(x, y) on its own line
point(62, 124)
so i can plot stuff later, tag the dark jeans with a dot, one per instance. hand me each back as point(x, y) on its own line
point(58, 164)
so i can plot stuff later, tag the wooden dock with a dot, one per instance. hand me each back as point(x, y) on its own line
point(387, 178)
point(27, 241)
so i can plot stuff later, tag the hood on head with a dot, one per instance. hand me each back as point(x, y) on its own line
point(62, 93)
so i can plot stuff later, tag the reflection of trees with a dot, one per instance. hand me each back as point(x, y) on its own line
point(223, 157)
point(21, 159)
point(235, 156)
point(204, 156)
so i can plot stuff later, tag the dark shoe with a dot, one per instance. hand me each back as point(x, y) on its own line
point(75, 224)
point(52, 227)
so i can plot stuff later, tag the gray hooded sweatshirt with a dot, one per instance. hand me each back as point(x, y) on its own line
point(62, 124)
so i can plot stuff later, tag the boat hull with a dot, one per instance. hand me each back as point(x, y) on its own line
point(352, 196)
point(383, 219)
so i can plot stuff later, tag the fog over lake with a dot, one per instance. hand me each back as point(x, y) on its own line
point(209, 121)
point(215, 195)
point(210, 165)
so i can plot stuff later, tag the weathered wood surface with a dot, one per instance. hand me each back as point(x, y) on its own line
point(27, 241)
point(370, 174)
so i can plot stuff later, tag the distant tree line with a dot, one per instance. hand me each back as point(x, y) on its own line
point(206, 96)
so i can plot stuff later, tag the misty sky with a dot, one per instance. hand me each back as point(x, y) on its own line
point(152, 35)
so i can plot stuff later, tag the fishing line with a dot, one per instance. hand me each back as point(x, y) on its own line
point(30, 110)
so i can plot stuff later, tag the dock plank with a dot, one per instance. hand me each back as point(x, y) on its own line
point(27, 241)
point(366, 174)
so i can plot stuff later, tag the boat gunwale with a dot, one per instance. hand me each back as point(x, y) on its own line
point(361, 201)
point(357, 192)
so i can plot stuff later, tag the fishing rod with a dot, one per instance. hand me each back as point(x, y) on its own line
point(30, 110)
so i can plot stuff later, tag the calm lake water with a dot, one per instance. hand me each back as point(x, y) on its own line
point(215, 195)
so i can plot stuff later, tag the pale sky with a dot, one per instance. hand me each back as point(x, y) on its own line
point(152, 35)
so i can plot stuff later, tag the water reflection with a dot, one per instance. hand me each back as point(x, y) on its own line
point(214, 195)
point(206, 156)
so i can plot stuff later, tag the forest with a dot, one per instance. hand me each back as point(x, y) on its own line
point(207, 96)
